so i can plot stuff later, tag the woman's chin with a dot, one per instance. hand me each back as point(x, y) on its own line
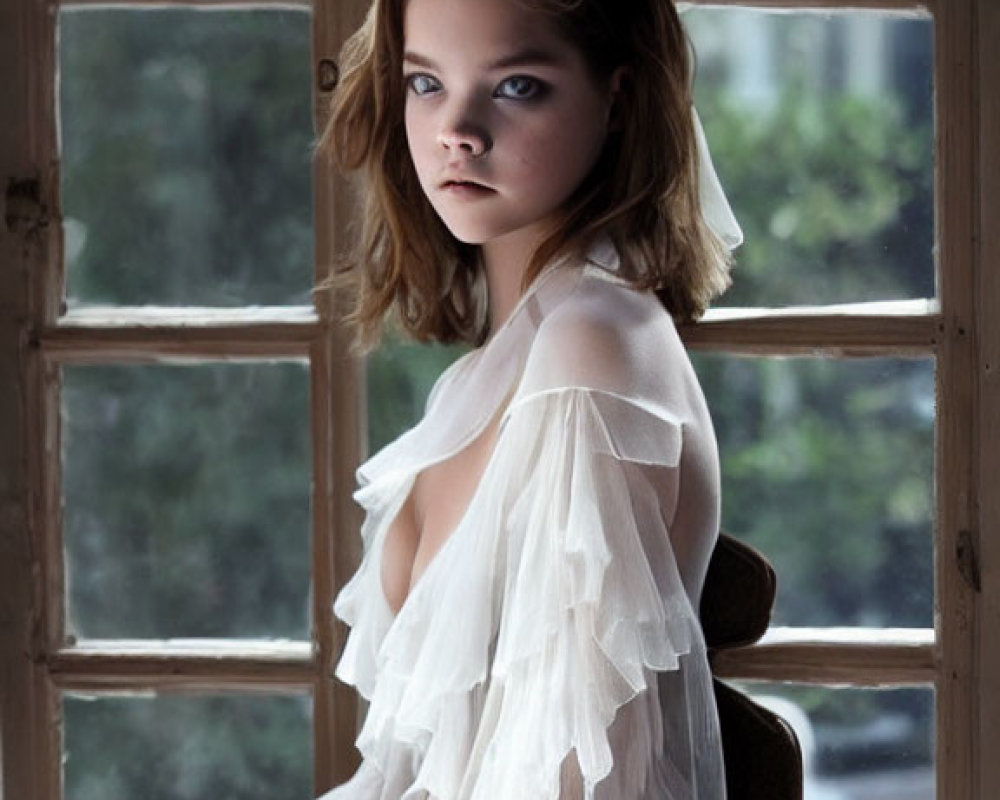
point(467, 234)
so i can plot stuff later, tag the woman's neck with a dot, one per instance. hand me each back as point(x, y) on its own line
point(505, 260)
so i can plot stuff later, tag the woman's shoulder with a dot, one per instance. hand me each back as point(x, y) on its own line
point(604, 304)
point(602, 333)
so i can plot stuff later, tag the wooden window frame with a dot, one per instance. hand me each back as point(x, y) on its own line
point(960, 658)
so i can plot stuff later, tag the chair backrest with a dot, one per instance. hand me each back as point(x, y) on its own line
point(762, 753)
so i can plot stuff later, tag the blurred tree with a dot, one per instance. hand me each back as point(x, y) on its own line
point(175, 747)
point(187, 500)
point(400, 377)
point(827, 468)
point(828, 190)
point(186, 160)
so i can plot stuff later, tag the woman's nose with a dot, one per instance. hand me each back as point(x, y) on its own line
point(465, 138)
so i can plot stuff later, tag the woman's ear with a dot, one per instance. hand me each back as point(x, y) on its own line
point(617, 91)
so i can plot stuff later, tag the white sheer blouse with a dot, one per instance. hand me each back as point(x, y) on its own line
point(551, 648)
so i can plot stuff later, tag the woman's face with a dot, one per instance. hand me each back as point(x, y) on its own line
point(503, 119)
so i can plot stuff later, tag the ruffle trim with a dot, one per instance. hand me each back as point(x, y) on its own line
point(551, 612)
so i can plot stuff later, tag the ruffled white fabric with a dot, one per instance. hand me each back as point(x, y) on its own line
point(551, 648)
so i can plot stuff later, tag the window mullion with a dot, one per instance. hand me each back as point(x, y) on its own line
point(29, 247)
point(338, 410)
point(988, 374)
point(79, 345)
point(128, 665)
point(956, 697)
point(844, 656)
point(788, 333)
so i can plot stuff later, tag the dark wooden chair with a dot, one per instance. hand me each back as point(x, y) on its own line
point(762, 753)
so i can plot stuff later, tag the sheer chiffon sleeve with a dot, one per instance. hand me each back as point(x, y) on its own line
point(593, 610)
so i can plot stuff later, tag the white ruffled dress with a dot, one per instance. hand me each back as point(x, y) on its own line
point(551, 650)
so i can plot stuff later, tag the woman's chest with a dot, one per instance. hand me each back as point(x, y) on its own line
point(437, 502)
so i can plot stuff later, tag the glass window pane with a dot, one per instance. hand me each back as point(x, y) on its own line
point(858, 744)
point(821, 127)
point(185, 155)
point(175, 747)
point(828, 468)
point(187, 500)
point(400, 377)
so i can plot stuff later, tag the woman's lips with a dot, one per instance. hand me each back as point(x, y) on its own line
point(468, 189)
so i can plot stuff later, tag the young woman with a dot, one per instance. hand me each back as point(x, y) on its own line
point(524, 620)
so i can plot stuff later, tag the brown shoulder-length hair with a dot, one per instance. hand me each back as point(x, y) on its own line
point(642, 192)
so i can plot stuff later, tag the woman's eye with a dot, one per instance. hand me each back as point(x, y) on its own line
point(421, 84)
point(519, 87)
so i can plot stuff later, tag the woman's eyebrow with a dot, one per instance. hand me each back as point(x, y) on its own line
point(529, 57)
point(418, 60)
